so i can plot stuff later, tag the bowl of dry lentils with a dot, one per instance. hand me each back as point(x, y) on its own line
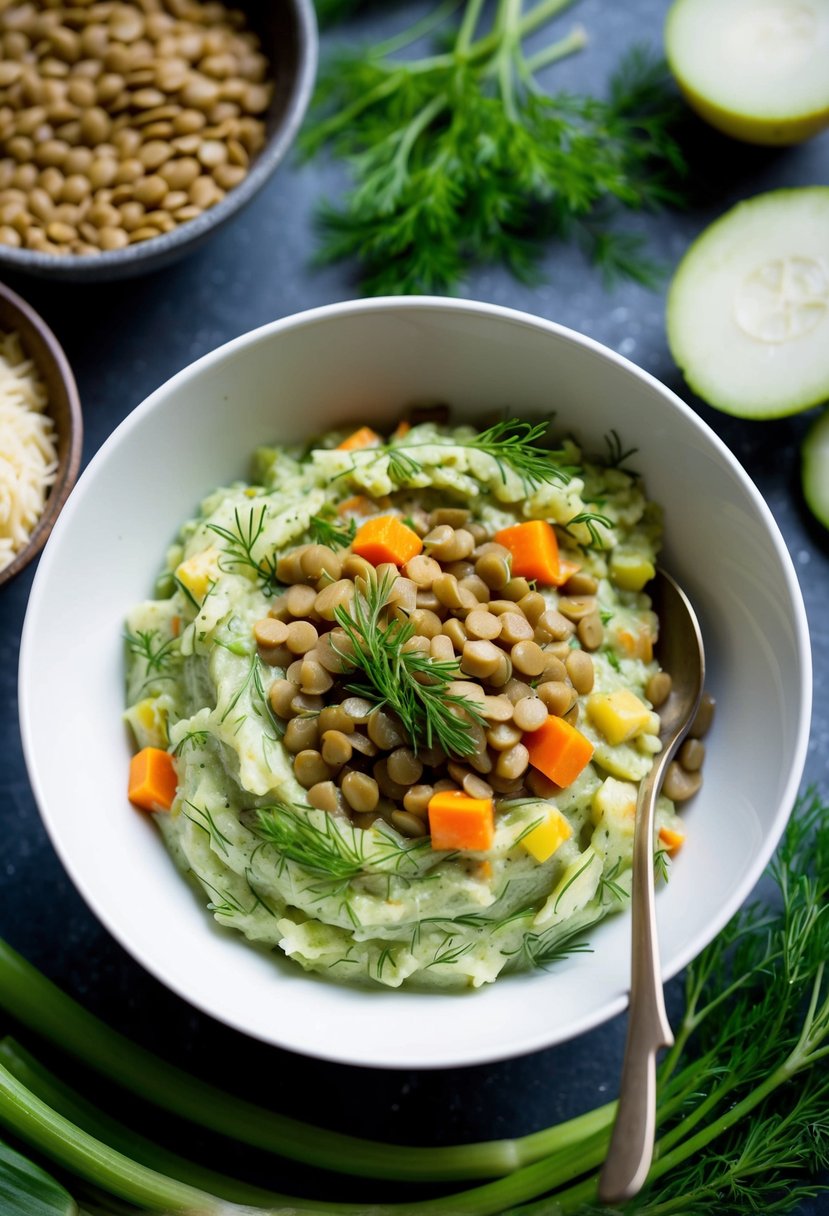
point(131, 129)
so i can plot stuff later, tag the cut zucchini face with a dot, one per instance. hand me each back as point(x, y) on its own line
point(756, 69)
point(748, 307)
point(815, 469)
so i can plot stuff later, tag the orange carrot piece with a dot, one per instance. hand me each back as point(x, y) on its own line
point(402, 429)
point(558, 750)
point(357, 505)
point(386, 539)
point(457, 821)
point(673, 841)
point(364, 437)
point(638, 645)
point(175, 625)
point(534, 550)
point(153, 780)
point(566, 569)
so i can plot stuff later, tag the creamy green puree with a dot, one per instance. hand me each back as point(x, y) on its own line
point(369, 904)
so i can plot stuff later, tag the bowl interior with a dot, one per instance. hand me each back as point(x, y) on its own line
point(370, 361)
point(41, 345)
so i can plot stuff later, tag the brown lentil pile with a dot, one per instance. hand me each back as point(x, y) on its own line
point(517, 665)
point(121, 119)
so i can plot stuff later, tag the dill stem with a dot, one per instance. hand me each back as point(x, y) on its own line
point(432, 19)
point(416, 127)
point(469, 23)
point(570, 44)
point(666, 1161)
point(329, 127)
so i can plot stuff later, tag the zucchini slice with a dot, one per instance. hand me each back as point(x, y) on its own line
point(748, 307)
point(755, 69)
point(814, 470)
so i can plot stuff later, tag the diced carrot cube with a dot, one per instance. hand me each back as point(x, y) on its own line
point(364, 437)
point(385, 538)
point(534, 549)
point(558, 750)
point(457, 821)
point(153, 780)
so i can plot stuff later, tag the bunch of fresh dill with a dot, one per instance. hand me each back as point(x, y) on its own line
point(460, 157)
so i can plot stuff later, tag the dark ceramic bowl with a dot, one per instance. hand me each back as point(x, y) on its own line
point(43, 348)
point(288, 31)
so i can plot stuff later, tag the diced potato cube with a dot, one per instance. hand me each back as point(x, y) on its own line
point(575, 888)
point(198, 572)
point(618, 715)
point(615, 802)
point(630, 570)
point(148, 720)
point(546, 836)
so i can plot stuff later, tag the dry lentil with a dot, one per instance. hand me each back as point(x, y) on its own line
point(99, 92)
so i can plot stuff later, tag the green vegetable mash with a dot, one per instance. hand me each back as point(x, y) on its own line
point(370, 904)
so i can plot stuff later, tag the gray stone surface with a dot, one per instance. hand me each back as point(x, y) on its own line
point(123, 341)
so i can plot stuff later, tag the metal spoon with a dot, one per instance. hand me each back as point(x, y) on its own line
point(680, 653)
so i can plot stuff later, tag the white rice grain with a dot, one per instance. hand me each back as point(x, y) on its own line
point(28, 453)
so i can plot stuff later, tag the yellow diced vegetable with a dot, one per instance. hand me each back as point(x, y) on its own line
point(630, 570)
point(547, 836)
point(615, 803)
point(619, 715)
point(198, 572)
point(148, 721)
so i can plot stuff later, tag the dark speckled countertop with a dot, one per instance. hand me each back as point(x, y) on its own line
point(125, 339)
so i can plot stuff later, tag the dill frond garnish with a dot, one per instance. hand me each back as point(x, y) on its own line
point(334, 849)
point(551, 946)
point(617, 453)
point(512, 444)
point(323, 850)
point(157, 653)
point(412, 684)
point(193, 738)
point(240, 542)
point(591, 521)
point(324, 532)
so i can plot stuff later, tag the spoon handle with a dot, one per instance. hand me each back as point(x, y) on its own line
point(631, 1146)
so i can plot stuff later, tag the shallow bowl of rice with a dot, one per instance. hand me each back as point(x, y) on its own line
point(40, 432)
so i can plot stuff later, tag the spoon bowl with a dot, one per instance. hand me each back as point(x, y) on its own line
point(681, 654)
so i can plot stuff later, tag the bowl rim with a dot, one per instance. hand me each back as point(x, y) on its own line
point(67, 472)
point(470, 308)
point(147, 254)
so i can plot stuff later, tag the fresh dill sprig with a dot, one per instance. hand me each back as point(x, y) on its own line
point(193, 738)
point(513, 444)
point(617, 453)
point(324, 532)
point(609, 886)
point(322, 850)
point(591, 521)
point(548, 947)
point(157, 653)
point(460, 157)
point(412, 684)
point(333, 850)
point(240, 542)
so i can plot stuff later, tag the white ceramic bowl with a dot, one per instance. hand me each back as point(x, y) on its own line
point(370, 360)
